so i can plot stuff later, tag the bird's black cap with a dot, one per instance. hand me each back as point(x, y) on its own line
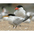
point(3, 7)
point(19, 6)
point(11, 14)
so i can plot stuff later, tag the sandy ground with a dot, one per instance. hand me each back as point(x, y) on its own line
point(5, 26)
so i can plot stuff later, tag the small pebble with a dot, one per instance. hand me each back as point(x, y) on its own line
point(13, 27)
point(25, 28)
point(19, 28)
point(8, 30)
point(9, 26)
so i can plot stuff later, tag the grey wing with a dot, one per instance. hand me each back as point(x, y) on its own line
point(17, 21)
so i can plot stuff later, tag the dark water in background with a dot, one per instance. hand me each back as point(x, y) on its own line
point(11, 7)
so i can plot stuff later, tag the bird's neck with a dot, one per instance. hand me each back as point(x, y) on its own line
point(21, 9)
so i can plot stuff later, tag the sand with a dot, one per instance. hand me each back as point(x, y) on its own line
point(5, 26)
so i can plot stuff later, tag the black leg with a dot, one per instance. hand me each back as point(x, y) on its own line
point(14, 26)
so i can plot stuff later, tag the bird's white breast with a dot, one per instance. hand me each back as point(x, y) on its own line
point(28, 13)
point(3, 14)
point(20, 13)
point(5, 18)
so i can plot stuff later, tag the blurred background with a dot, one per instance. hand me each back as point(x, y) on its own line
point(11, 7)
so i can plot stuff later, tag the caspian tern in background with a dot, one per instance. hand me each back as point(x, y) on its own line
point(32, 16)
point(3, 13)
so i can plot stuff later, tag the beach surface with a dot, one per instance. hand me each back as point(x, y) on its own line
point(5, 26)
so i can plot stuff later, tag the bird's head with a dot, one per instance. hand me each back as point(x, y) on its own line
point(3, 9)
point(19, 7)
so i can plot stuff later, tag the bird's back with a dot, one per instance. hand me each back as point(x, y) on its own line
point(15, 20)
